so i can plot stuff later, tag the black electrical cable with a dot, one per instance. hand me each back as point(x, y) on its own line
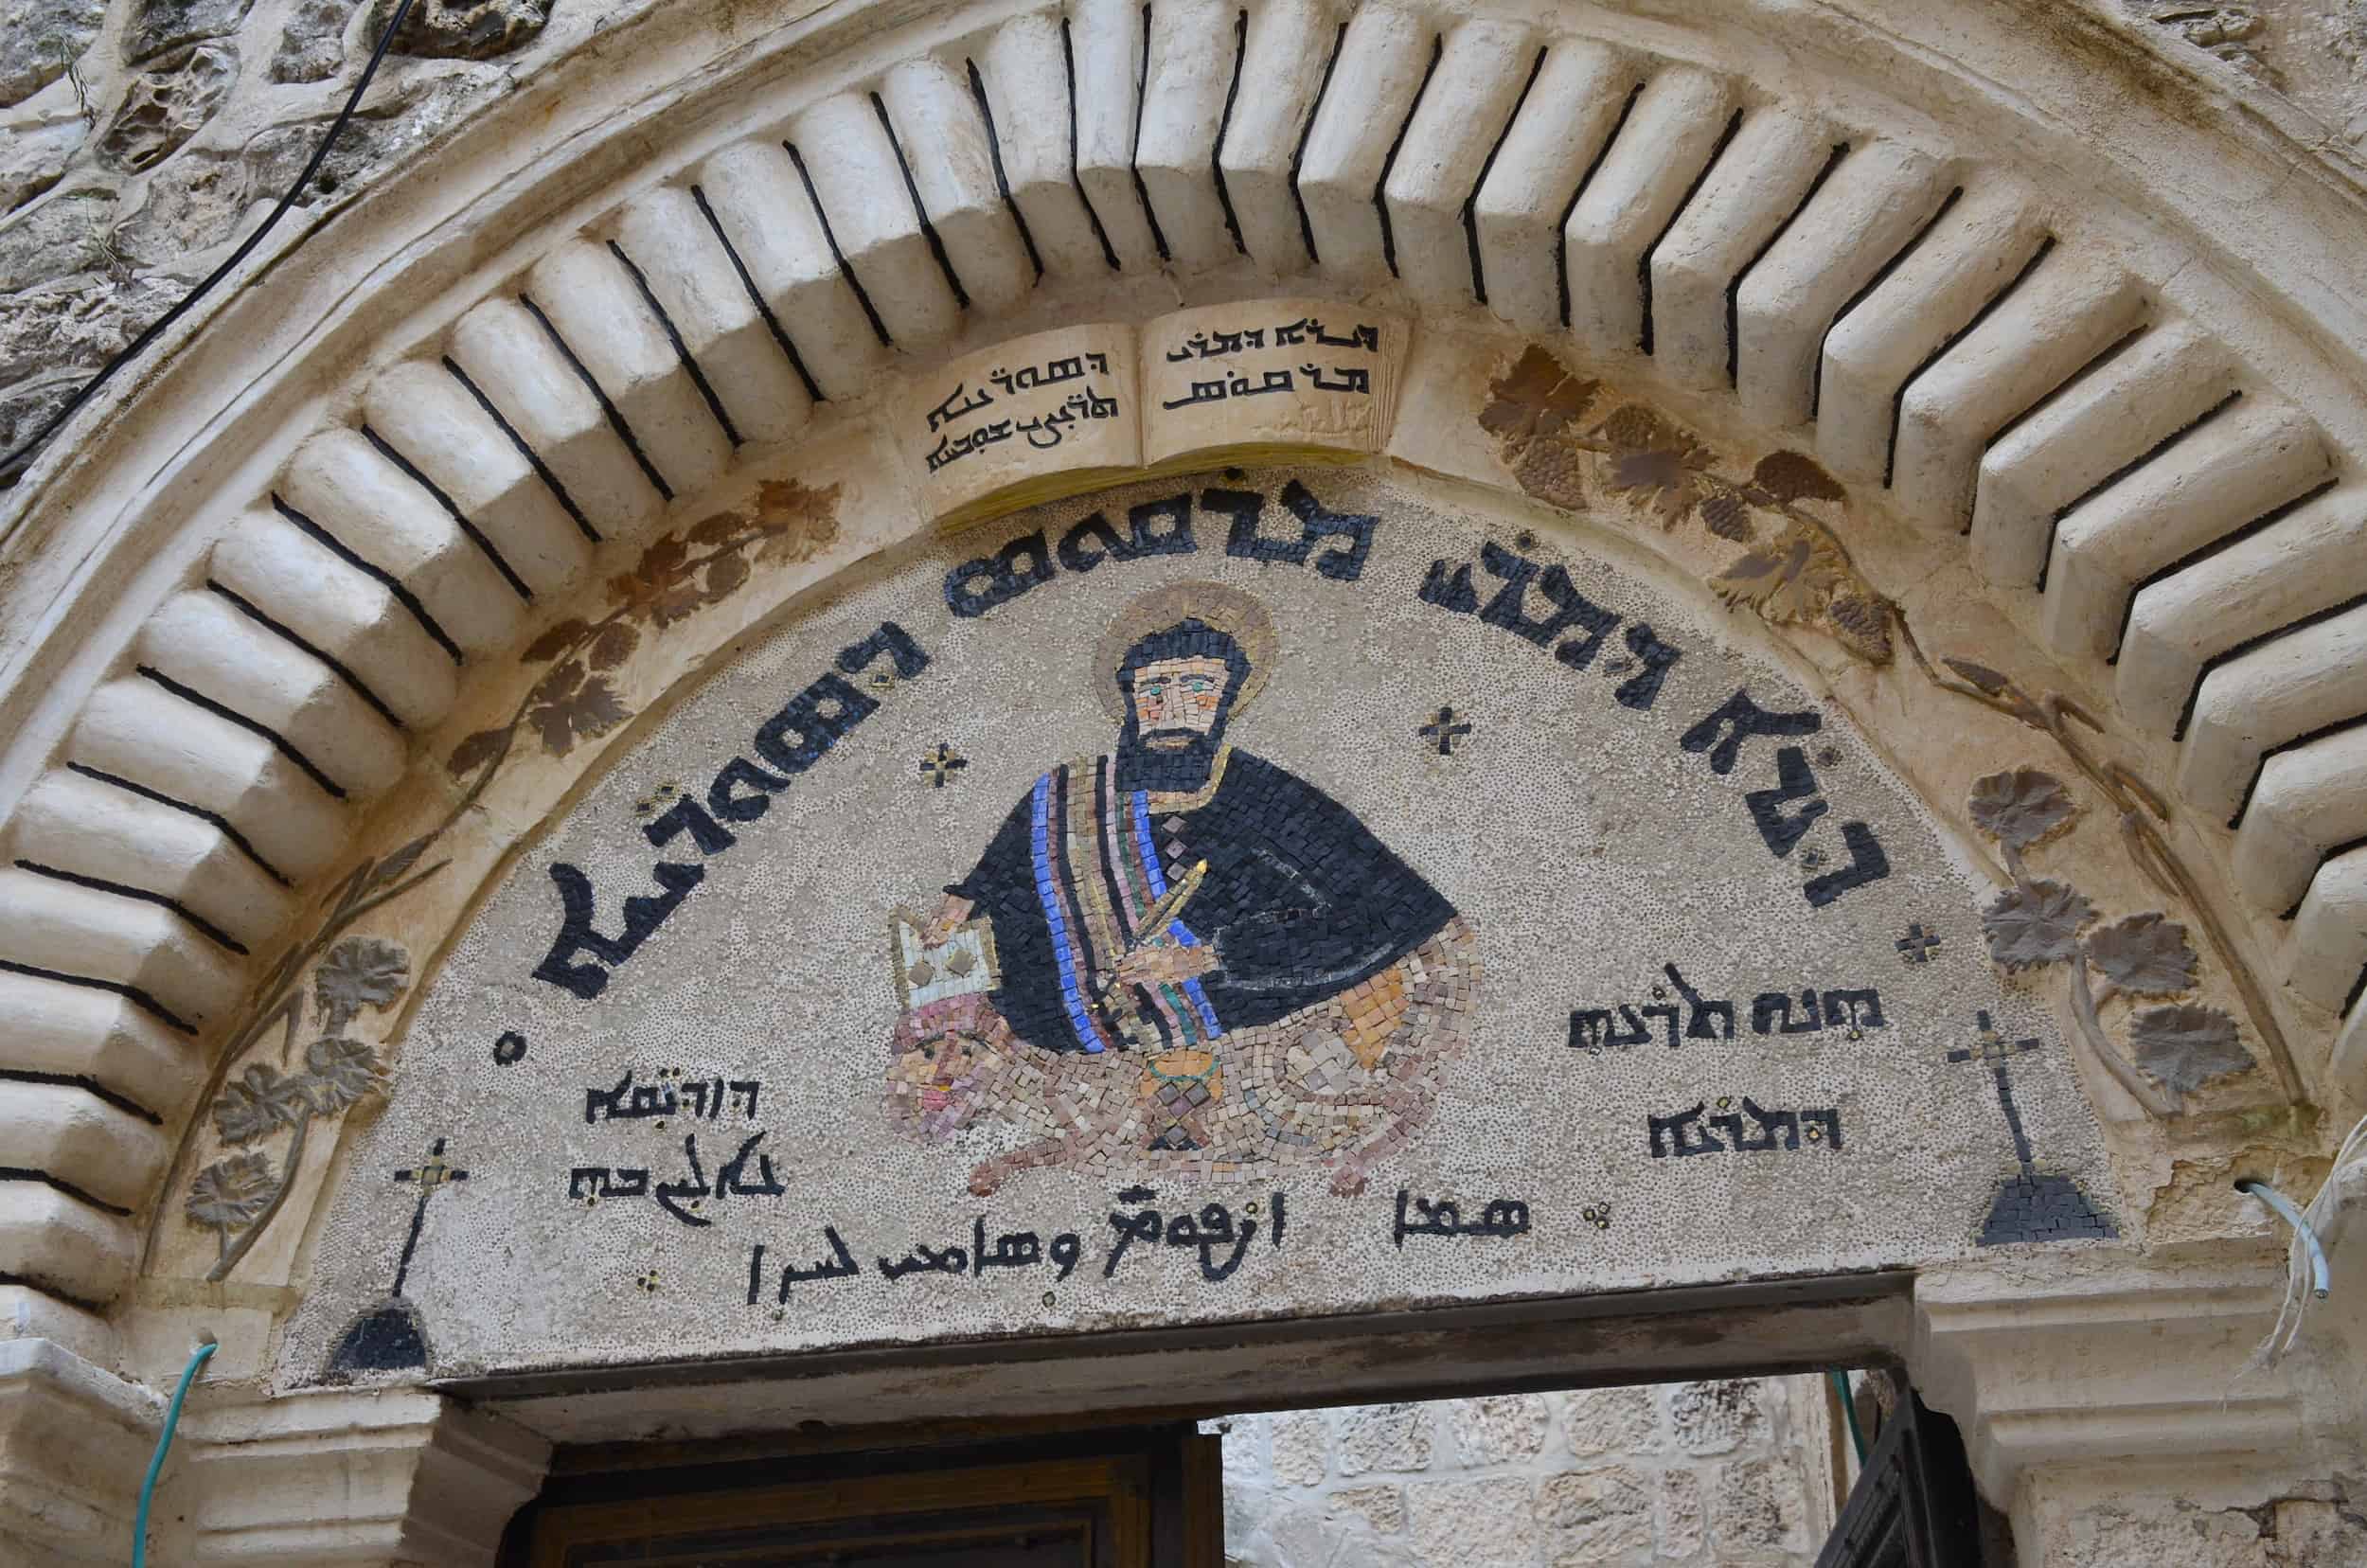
point(13, 468)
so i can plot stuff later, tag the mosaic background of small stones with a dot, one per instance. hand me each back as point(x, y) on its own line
point(1589, 848)
point(1724, 1471)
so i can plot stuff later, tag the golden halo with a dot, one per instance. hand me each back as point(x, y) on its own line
point(1212, 604)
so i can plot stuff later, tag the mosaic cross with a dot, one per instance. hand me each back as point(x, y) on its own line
point(429, 1175)
point(2031, 1206)
point(1918, 945)
point(1445, 730)
point(940, 766)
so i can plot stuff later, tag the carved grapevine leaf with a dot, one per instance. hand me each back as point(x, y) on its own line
point(1795, 477)
point(1658, 478)
point(2144, 953)
point(1790, 579)
point(724, 576)
point(1987, 680)
point(475, 751)
point(360, 971)
point(232, 1194)
point(2186, 1046)
point(259, 1102)
point(571, 705)
point(718, 529)
point(1537, 397)
point(2037, 923)
point(798, 521)
point(561, 637)
point(340, 1073)
point(614, 646)
point(2020, 807)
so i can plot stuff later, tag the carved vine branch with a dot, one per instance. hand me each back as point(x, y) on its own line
point(239, 1196)
point(1541, 411)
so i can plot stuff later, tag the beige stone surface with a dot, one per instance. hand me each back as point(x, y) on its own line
point(1524, 1501)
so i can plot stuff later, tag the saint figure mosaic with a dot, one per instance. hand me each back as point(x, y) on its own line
point(1181, 957)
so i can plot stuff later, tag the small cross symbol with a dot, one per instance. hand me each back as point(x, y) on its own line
point(1993, 1047)
point(428, 1175)
point(432, 1172)
point(1918, 945)
point(1445, 730)
point(939, 766)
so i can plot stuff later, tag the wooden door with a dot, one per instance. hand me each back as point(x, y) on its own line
point(1151, 1502)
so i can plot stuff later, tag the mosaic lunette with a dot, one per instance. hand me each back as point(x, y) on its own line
point(1180, 957)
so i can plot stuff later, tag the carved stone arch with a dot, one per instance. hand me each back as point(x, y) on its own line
point(2074, 353)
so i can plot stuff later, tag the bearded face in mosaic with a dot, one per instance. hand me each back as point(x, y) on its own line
point(1222, 923)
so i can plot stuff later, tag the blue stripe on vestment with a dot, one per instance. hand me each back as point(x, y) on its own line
point(1080, 1018)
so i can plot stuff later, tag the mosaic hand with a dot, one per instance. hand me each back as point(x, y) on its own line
point(1164, 962)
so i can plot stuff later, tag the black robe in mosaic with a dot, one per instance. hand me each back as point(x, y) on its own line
point(1300, 900)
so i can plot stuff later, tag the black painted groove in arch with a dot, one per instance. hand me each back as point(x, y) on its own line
point(2203, 552)
point(2054, 524)
point(830, 237)
point(1881, 275)
point(772, 323)
point(460, 520)
point(2044, 248)
point(1644, 262)
point(1307, 132)
point(1133, 155)
point(279, 742)
point(23, 1173)
point(132, 994)
point(90, 1086)
point(1002, 176)
point(1561, 229)
point(1733, 285)
point(370, 569)
point(215, 820)
point(920, 212)
point(1479, 182)
point(534, 458)
point(609, 410)
point(195, 921)
point(683, 356)
point(1396, 145)
point(2095, 363)
point(358, 687)
point(1076, 177)
point(1224, 128)
point(2193, 692)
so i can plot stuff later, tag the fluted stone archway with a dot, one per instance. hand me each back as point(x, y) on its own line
point(2077, 337)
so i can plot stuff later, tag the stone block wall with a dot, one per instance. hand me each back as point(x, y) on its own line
point(141, 139)
point(1727, 1471)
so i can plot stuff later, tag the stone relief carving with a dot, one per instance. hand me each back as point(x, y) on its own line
point(2141, 812)
point(467, 29)
point(1538, 410)
point(2232, 33)
point(167, 104)
point(239, 1196)
point(677, 574)
point(2039, 921)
